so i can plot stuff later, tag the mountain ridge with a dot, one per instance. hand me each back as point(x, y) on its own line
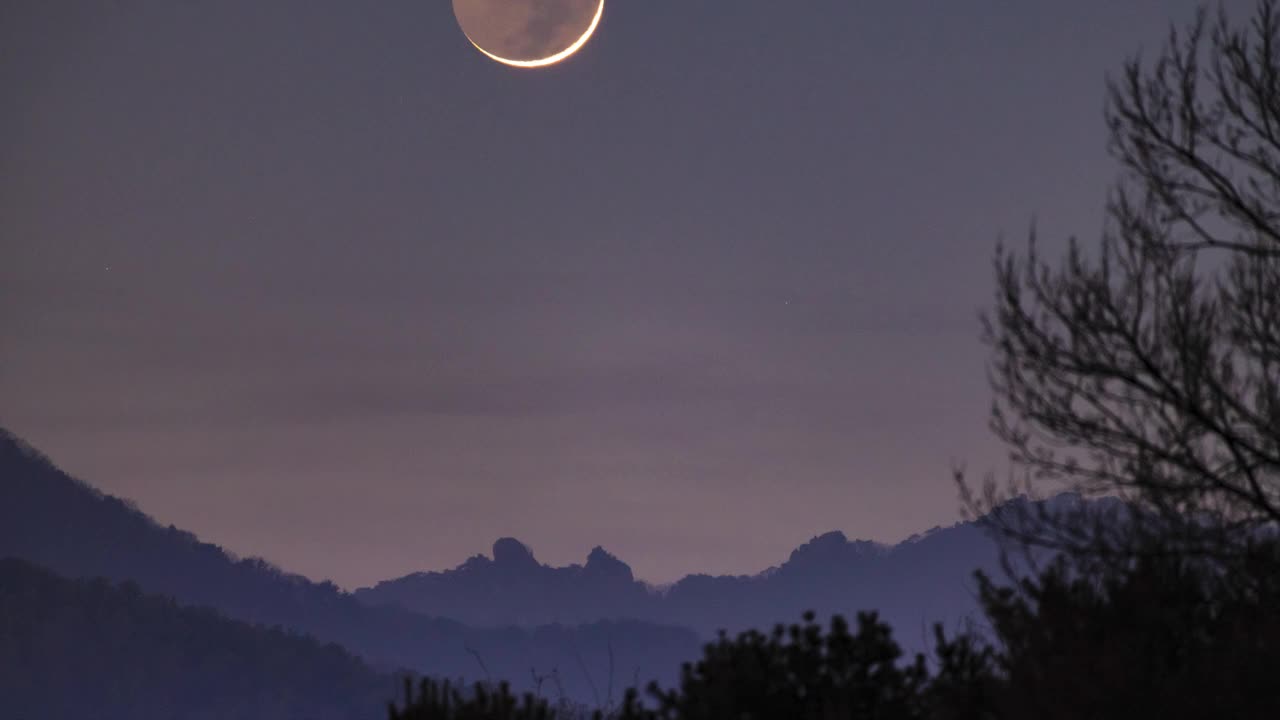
point(922, 579)
point(501, 614)
point(50, 519)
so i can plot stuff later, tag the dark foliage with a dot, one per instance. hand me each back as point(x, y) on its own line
point(442, 700)
point(92, 649)
point(1165, 636)
point(798, 672)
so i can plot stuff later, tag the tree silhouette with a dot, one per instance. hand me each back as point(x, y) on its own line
point(797, 672)
point(1165, 636)
point(1149, 368)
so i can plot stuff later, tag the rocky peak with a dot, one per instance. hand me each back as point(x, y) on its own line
point(511, 552)
point(828, 549)
point(600, 563)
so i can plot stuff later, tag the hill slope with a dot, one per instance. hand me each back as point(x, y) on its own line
point(88, 648)
point(58, 522)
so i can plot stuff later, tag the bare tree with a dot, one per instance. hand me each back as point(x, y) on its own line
point(1149, 369)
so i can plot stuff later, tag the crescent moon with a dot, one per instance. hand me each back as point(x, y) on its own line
point(550, 59)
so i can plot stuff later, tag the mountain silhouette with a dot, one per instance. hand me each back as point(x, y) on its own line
point(58, 522)
point(513, 588)
point(922, 580)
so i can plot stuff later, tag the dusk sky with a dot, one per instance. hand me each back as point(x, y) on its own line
point(318, 281)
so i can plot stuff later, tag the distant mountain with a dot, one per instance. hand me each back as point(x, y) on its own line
point(913, 584)
point(91, 649)
point(513, 588)
point(56, 521)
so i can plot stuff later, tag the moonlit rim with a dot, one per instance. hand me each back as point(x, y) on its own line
point(550, 59)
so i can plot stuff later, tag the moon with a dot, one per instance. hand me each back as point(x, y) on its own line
point(528, 33)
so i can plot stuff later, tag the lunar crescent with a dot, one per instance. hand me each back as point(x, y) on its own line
point(550, 59)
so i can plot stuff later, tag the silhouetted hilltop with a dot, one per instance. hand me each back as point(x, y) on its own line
point(914, 583)
point(513, 588)
point(51, 519)
point(92, 649)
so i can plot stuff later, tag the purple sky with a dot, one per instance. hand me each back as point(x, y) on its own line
point(319, 282)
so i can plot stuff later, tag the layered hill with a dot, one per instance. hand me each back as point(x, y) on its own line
point(58, 522)
point(504, 616)
point(94, 649)
point(913, 584)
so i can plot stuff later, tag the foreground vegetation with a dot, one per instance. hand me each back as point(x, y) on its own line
point(1166, 637)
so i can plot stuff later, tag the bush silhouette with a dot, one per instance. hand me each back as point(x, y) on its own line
point(444, 700)
point(797, 672)
point(1167, 636)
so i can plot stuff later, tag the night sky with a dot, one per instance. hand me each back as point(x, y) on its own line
point(318, 281)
